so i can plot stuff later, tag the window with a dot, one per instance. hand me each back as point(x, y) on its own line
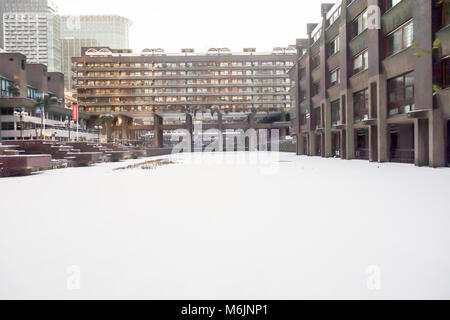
point(317, 35)
point(5, 87)
point(446, 71)
point(401, 93)
point(400, 39)
point(334, 46)
point(315, 87)
point(31, 93)
point(315, 62)
point(445, 13)
point(334, 17)
point(302, 73)
point(361, 62)
point(334, 77)
point(392, 3)
point(302, 96)
point(335, 112)
point(360, 104)
point(359, 24)
point(318, 117)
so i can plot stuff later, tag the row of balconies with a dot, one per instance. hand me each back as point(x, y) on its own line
point(177, 94)
point(244, 68)
point(280, 76)
point(182, 103)
point(184, 85)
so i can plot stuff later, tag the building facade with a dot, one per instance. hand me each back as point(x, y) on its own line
point(108, 30)
point(90, 31)
point(72, 48)
point(20, 115)
point(366, 84)
point(32, 27)
point(134, 87)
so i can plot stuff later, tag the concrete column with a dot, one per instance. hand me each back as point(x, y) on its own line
point(327, 151)
point(283, 131)
point(189, 125)
point(158, 122)
point(373, 138)
point(350, 130)
point(343, 141)
point(312, 144)
point(383, 128)
point(421, 142)
point(437, 139)
point(300, 145)
point(251, 121)
point(124, 128)
point(220, 121)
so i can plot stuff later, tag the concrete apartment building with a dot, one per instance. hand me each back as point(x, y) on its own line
point(20, 117)
point(365, 79)
point(32, 27)
point(90, 31)
point(146, 89)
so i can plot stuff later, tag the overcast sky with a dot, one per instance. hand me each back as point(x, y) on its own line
point(176, 24)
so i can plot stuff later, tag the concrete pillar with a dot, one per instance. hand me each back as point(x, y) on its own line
point(350, 130)
point(124, 128)
point(327, 150)
point(220, 121)
point(251, 120)
point(421, 142)
point(437, 139)
point(373, 138)
point(189, 125)
point(382, 115)
point(300, 145)
point(312, 144)
point(283, 131)
point(343, 135)
point(158, 139)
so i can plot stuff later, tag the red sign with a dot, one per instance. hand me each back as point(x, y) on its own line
point(75, 112)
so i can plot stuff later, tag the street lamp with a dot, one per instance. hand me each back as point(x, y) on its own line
point(99, 128)
point(22, 112)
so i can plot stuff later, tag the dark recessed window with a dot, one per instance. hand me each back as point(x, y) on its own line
point(446, 71)
point(334, 46)
point(361, 105)
point(392, 3)
point(335, 77)
point(315, 62)
point(315, 87)
point(401, 94)
point(335, 112)
point(359, 24)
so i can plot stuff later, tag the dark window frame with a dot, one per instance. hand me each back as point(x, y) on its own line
point(400, 92)
point(401, 29)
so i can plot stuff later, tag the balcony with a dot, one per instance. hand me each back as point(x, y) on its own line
point(338, 124)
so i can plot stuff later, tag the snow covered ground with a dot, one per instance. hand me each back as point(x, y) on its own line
point(227, 228)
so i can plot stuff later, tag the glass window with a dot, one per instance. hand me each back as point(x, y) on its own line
point(360, 104)
point(361, 62)
point(446, 73)
point(400, 93)
point(400, 39)
point(335, 111)
point(334, 46)
point(334, 77)
point(359, 24)
point(392, 3)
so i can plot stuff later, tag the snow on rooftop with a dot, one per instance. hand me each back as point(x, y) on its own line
point(222, 226)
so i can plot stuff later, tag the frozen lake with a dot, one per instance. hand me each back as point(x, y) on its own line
point(227, 226)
